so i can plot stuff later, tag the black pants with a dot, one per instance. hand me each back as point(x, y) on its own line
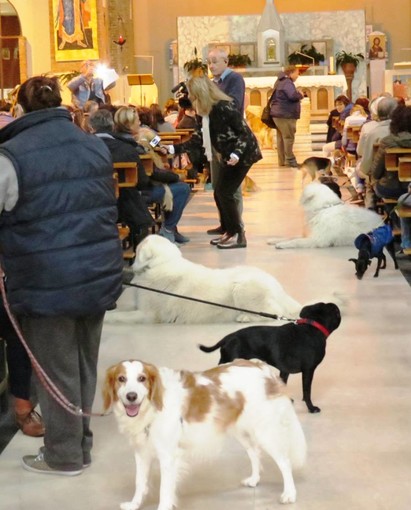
point(227, 183)
point(17, 360)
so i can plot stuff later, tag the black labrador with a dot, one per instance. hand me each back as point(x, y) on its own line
point(292, 348)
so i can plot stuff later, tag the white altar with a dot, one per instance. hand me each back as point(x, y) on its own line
point(319, 88)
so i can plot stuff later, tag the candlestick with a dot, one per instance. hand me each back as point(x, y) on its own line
point(331, 69)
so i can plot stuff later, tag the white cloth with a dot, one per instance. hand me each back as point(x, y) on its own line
point(206, 138)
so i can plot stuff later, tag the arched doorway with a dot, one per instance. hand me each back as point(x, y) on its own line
point(12, 46)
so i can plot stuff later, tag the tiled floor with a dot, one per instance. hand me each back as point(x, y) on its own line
point(359, 447)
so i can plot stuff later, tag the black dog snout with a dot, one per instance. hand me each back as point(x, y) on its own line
point(131, 396)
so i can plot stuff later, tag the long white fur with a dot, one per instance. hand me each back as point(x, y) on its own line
point(160, 265)
point(331, 222)
point(268, 424)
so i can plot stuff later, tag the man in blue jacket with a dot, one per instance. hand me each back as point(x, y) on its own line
point(233, 85)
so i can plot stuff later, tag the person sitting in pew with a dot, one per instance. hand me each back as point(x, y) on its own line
point(160, 185)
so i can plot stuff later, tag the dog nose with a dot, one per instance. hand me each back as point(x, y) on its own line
point(132, 396)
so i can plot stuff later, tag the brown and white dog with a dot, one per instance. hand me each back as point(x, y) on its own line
point(167, 413)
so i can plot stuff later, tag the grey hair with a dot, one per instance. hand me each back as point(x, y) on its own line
point(386, 107)
point(101, 121)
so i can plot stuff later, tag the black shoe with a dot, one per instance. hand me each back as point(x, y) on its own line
point(232, 242)
point(220, 239)
point(215, 231)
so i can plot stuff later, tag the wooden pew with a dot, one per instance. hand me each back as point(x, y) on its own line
point(125, 176)
point(392, 155)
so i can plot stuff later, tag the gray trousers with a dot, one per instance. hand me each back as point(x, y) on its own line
point(215, 169)
point(286, 129)
point(67, 349)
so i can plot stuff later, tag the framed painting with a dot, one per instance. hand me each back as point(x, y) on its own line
point(75, 30)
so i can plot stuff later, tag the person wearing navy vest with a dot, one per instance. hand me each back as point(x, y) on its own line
point(62, 258)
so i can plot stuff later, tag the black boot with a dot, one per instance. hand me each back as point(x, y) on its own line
point(234, 241)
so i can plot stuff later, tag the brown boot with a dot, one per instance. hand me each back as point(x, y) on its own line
point(30, 423)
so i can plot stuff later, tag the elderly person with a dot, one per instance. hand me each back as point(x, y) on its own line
point(285, 110)
point(386, 183)
point(63, 260)
point(380, 127)
point(223, 134)
point(232, 84)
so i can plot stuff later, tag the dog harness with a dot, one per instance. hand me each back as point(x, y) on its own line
point(316, 324)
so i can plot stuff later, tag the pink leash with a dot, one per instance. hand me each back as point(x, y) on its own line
point(41, 374)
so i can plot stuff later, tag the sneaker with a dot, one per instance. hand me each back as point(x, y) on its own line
point(86, 465)
point(216, 231)
point(37, 464)
point(179, 238)
point(163, 232)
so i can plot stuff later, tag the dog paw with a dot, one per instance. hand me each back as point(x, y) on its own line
point(314, 409)
point(129, 505)
point(288, 497)
point(243, 317)
point(251, 481)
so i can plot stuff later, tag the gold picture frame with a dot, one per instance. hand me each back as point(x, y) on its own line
point(75, 30)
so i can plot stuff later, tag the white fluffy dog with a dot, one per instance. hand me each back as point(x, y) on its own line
point(160, 265)
point(330, 220)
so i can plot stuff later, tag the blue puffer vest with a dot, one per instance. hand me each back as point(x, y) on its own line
point(59, 245)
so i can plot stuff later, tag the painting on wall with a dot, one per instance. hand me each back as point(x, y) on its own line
point(75, 30)
point(377, 45)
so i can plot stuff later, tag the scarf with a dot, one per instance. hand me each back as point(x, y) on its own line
point(206, 138)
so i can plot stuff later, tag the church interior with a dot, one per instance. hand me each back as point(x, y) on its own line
point(358, 446)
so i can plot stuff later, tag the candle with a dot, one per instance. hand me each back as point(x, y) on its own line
point(331, 66)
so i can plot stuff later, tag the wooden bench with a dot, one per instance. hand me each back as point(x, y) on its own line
point(404, 168)
point(392, 156)
point(353, 133)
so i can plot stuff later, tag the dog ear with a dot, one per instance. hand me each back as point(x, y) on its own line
point(108, 387)
point(155, 394)
point(353, 260)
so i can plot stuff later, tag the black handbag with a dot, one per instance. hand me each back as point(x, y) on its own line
point(266, 117)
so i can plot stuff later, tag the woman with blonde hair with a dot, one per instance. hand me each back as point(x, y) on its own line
point(224, 131)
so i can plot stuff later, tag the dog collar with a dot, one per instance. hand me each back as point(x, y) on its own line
point(315, 324)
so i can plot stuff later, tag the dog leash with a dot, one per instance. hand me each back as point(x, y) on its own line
point(197, 300)
point(45, 380)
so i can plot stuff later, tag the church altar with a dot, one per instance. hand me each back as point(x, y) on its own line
point(319, 88)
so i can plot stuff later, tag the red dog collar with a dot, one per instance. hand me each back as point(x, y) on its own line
point(315, 324)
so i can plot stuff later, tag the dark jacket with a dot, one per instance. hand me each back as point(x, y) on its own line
point(60, 246)
point(388, 185)
point(285, 103)
point(233, 85)
point(229, 133)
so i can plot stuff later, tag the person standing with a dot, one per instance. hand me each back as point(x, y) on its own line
point(285, 110)
point(224, 134)
point(232, 84)
point(86, 86)
point(62, 256)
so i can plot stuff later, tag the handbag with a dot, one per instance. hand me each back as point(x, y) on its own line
point(266, 117)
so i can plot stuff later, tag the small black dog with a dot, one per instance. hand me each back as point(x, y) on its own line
point(371, 246)
point(292, 348)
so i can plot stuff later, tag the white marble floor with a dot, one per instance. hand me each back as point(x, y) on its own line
point(359, 447)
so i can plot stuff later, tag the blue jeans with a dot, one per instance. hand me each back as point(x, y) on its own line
point(405, 232)
point(180, 192)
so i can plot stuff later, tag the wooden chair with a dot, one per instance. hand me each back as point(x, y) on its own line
point(125, 176)
point(392, 156)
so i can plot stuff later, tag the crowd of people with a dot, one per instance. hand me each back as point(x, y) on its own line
point(66, 185)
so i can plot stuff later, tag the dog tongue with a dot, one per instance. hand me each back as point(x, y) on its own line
point(132, 410)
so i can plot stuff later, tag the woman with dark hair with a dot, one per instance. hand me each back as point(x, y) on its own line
point(157, 121)
point(386, 183)
point(62, 256)
point(335, 124)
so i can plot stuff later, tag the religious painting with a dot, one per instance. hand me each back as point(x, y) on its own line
point(398, 83)
point(377, 46)
point(75, 30)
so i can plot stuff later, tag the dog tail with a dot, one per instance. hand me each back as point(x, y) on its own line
point(212, 348)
